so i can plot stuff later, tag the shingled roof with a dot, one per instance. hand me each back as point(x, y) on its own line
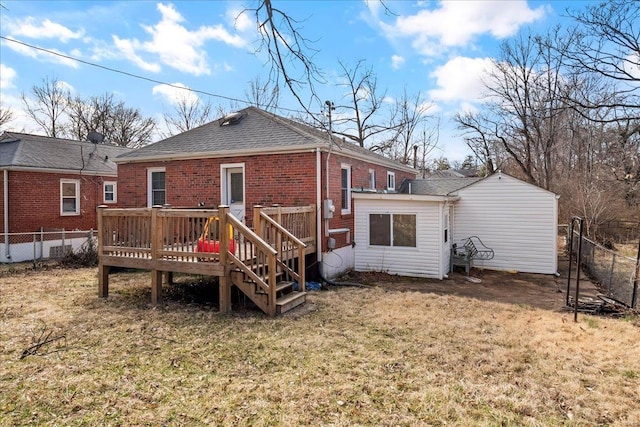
point(249, 131)
point(436, 186)
point(26, 151)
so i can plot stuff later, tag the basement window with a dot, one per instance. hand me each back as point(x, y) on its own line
point(392, 230)
point(69, 197)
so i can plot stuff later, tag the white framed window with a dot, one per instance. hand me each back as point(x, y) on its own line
point(391, 181)
point(156, 187)
point(392, 230)
point(372, 179)
point(345, 189)
point(69, 197)
point(110, 191)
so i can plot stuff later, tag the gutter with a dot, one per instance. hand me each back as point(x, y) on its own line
point(7, 251)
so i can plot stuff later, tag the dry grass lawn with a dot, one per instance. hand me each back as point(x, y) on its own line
point(350, 356)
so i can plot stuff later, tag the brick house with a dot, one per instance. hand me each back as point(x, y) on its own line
point(253, 157)
point(52, 184)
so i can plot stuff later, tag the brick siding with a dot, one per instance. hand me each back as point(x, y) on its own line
point(285, 179)
point(34, 201)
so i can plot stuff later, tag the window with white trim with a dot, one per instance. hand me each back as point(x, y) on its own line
point(372, 179)
point(109, 190)
point(391, 181)
point(346, 189)
point(156, 187)
point(69, 197)
point(392, 230)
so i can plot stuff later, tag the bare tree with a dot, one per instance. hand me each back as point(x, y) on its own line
point(188, 113)
point(6, 115)
point(607, 43)
point(117, 123)
point(263, 95)
point(364, 103)
point(411, 116)
point(290, 54)
point(525, 110)
point(48, 107)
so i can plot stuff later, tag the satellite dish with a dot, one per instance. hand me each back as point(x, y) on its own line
point(95, 137)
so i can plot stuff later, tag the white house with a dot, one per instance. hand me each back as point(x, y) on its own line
point(411, 232)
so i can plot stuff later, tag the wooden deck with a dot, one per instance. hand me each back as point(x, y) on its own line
point(264, 262)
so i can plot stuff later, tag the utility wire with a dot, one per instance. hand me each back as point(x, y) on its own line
point(137, 76)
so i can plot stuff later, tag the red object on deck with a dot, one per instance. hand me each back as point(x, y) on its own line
point(213, 246)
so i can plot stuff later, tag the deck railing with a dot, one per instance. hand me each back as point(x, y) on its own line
point(299, 221)
point(167, 240)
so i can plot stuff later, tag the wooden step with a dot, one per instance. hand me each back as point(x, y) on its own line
point(289, 301)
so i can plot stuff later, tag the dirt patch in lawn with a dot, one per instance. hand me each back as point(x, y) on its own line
point(536, 290)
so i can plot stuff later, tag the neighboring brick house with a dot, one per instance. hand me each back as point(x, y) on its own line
point(253, 157)
point(52, 184)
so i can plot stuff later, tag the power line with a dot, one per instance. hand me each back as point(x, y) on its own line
point(137, 76)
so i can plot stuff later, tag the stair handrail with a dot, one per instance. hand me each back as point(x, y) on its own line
point(301, 246)
point(270, 286)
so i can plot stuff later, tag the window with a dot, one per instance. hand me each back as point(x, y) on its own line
point(346, 189)
point(156, 189)
point(69, 197)
point(392, 230)
point(391, 181)
point(446, 227)
point(372, 179)
point(109, 191)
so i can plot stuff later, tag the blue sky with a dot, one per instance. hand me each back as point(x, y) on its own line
point(437, 48)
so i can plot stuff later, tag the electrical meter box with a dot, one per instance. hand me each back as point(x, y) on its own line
point(328, 208)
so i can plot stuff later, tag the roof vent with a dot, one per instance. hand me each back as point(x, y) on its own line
point(232, 118)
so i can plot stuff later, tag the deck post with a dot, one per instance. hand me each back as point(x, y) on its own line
point(157, 237)
point(257, 224)
point(224, 298)
point(103, 271)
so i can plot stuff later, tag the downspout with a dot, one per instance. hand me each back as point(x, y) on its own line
point(7, 251)
point(318, 205)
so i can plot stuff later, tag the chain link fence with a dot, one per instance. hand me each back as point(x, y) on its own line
point(614, 273)
point(41, 245)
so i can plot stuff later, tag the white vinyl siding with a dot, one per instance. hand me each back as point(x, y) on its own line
point(515, 219)
point(423, 260)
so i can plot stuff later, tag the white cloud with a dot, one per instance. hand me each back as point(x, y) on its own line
point(461, 79)
point(44, 30)
point(41, 55)
point(459, 23)
point(175, 45)
point(240, 19)
point(174, 95)
point(396, 61)
point(128, 49)
point(7, 74)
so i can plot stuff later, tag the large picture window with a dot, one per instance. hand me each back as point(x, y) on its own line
point(392, 230)
point(69, 197)
point(156, 187)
